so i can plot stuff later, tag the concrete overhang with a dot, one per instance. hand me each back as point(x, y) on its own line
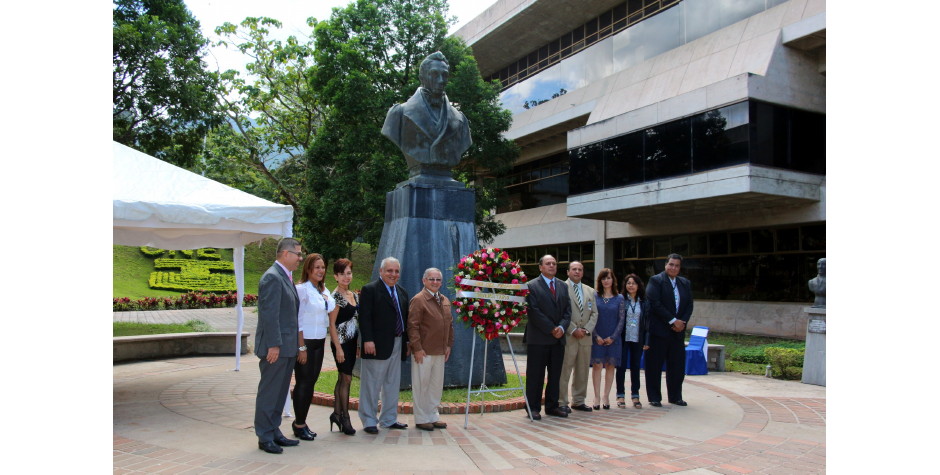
point(807, 34)
point(727, 191)
point(525, 25)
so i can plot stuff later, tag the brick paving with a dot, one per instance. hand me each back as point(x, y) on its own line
point(194, 415)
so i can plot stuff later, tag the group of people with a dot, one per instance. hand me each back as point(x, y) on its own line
point(573, 328)
point(389, 325)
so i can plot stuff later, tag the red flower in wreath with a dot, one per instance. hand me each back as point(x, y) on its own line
point(491, 292)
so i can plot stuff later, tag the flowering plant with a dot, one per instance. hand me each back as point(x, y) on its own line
point(491, 290)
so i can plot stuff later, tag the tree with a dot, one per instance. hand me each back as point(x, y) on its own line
point(367, 57)
point(274, 116)
point(164, 98)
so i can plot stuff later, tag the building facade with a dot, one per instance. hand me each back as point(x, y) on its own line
point(655, 126)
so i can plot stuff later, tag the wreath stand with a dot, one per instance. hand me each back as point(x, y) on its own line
point(483, 389)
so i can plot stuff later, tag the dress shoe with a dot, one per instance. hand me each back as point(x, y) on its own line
point(303, 433)
point(440, 425)
point(398, 425)
point(582, 407)
point(656, 404)
point(371, 430)
point(270, 447)
point(566, 409)
point(285, 442)
point(428, 427)
point(557, 412)
point(679, 403)
point(535, 416)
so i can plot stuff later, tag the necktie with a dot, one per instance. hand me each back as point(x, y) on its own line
point(551, 285)
point(675, 293)
point(577, 290)
point(399, 327)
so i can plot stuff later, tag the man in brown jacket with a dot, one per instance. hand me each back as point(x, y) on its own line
point(431, 333)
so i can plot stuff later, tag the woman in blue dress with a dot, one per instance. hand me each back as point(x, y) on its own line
point(606, 350)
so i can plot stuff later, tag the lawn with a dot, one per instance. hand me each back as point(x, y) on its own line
point(327, 381)
point(133, 328)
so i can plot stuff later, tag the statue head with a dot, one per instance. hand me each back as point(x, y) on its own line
point(821, 267)
point(434, 72)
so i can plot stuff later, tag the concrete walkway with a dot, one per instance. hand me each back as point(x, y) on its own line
point(194, 415)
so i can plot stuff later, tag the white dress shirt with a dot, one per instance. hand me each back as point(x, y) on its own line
point(313, 318)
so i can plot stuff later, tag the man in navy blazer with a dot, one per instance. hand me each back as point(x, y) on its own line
point(549, 313)
point(670, 301)
point(382, 329)
point(277, 342)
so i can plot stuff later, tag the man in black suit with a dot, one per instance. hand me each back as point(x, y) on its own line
point(277, 342)
point(549, 313)
point(383, 316)
point(670, 299)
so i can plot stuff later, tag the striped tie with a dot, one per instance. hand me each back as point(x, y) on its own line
point(577, 290)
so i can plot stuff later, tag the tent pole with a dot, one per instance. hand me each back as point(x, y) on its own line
point(239, 258)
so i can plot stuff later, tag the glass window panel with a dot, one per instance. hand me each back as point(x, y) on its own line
point(574, 252)
point(698, 245)
point(807, 141)
point(667, 150)
point(680, 245)
point(620, 12)
point(577, 34)
point(646, 248)
point(554, 46)
point(562, 255)
point(662, 246)
point(586, 169)
point(634, 6)
point(814, 237)
point(788, 239)
point(718, 244)
point(740, 242)
point(590, 27)
point(762, 240)
point(719, 137)
point(605, 19)
point(587, 252)
point(565, 40)
point(630, 249)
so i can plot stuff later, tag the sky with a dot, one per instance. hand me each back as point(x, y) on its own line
point(292, 14)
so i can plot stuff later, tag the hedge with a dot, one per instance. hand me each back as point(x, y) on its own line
point(193, 275)
point(188, 300)
point(756, 355)
point(785, 363)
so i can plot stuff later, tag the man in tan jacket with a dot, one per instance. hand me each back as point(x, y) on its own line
point(578, 348)
point(431, 333)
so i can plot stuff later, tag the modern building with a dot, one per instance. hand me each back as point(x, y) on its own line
point(655, 126)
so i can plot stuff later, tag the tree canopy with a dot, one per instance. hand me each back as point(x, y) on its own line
point(164, 98)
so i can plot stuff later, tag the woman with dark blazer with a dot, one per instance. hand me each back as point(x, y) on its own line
point(635, 338)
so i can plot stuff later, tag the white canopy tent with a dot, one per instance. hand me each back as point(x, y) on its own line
point(161, 205)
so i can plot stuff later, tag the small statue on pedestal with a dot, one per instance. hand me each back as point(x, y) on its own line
point(818, 284)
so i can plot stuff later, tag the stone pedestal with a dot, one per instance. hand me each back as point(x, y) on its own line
point(814, 360)
point(429, 222)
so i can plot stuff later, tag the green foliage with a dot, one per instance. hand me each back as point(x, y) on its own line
point(273, 117)
point(163, 97)
point(193, 275)
point(756, 354)
point(152, 252)
point(210, 254)
point(133, 328)
point(786, 363)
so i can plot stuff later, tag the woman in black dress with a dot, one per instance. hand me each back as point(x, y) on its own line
point(344, 333)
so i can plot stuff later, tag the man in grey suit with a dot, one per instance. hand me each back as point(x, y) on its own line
point(549, 313)
point(277, 343)
point(578, 346)
point(383, 316)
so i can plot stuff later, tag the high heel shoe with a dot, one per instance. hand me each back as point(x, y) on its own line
point(303, 433)
point(347, 425)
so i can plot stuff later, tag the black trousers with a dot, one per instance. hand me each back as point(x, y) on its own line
point(539, 359)
point(629, 359)
point(672, 351)
point(305, 378)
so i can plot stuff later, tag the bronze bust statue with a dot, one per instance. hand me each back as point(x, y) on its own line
point(818, 284)
point(431, 133)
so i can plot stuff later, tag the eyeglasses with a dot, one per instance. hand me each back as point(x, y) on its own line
point(299, 254)
point(431, 279)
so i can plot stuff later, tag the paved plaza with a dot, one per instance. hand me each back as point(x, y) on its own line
point(194, 415)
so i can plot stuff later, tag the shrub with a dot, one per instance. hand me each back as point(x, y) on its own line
point(786, 363)
point(193, 275)
point(184, 301)
point(208, 253)
point(755, 354)
point(152, 251)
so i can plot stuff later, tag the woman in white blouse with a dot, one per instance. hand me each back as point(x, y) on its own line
point(316, 305)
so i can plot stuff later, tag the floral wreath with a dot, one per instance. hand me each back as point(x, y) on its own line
point(490, 292)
